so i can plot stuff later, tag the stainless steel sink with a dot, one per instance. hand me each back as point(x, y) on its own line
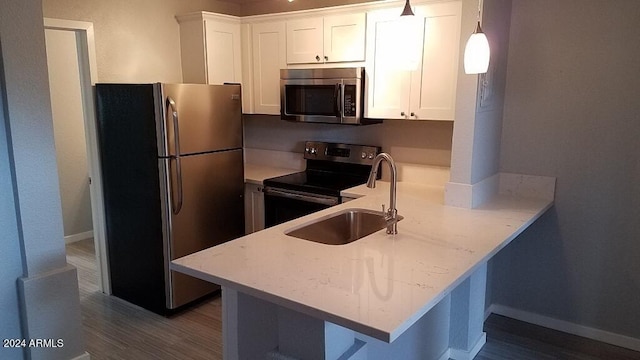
point(342, 227)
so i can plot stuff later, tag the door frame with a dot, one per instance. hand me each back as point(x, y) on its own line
point(88, 78)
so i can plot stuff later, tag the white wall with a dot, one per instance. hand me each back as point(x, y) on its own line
point(46, 288)
point(276, 6)
point(479, 110)
point(491, 91)
point(69, 132)
point(136, 41)
point(573, 111)
point(417, 142)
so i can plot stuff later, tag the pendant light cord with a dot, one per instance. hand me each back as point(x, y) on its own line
point(478, 28)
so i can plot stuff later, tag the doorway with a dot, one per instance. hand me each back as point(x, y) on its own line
point(72, 74)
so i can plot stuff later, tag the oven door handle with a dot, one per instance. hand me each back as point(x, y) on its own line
point(317, 199)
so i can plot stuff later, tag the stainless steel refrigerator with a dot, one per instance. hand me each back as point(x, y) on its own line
point(172, 173)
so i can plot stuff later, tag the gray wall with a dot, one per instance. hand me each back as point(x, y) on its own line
point(572, 111)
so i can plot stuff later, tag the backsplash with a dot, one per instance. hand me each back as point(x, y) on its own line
point(417, 142)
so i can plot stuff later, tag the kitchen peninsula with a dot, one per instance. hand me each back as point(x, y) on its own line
point(419, 294)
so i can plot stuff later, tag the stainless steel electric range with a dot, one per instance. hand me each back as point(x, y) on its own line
point(331, 168)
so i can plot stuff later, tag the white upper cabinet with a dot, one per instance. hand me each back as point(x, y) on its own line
point(344, 37)
point(412, 63)
point(329, 39)
point(210, 48)
point(304, 41)
point(388, 70)
point(433, 88)
point(269, 56)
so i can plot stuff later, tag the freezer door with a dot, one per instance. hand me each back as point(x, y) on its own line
point(197, 118)
point(212, 213)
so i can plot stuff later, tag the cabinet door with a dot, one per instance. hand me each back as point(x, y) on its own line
point(304, 41)
point(269, 56)
point(253, 208)
point(392, 45)
point(433, 86)
point(222, 42)
point(344, 37)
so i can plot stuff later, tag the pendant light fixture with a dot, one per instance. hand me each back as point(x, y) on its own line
point(407, 9)
point(477, 52)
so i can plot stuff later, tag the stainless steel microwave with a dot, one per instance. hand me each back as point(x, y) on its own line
point(328, 95)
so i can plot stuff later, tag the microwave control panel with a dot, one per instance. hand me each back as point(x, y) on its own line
point(350, 100)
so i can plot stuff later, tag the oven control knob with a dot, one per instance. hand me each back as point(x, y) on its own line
point(371, 156)
point(363, 155)
point(313, 151)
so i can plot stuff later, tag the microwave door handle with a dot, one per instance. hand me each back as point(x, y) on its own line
point(338, 96)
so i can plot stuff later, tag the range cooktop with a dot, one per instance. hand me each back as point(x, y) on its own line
point(331, 168)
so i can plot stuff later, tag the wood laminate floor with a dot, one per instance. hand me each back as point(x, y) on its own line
point(115, 329)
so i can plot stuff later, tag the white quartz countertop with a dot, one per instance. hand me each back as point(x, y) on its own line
point(378, 285)
point(256, 174)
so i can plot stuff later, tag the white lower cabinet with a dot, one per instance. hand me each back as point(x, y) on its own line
point(413, 63)
point(253, 208)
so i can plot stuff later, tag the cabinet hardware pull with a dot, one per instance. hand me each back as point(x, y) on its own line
point(317, 58)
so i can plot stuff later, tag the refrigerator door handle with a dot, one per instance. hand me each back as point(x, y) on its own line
point(176, 201)
point(176, 207)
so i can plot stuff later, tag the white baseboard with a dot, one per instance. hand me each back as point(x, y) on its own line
point(77, 237)
point(565, 326)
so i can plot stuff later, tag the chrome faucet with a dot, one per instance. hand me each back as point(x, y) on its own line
point(392, 214)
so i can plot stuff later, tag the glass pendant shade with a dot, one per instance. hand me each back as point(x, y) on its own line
point(407, 9)
point(477, 53)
